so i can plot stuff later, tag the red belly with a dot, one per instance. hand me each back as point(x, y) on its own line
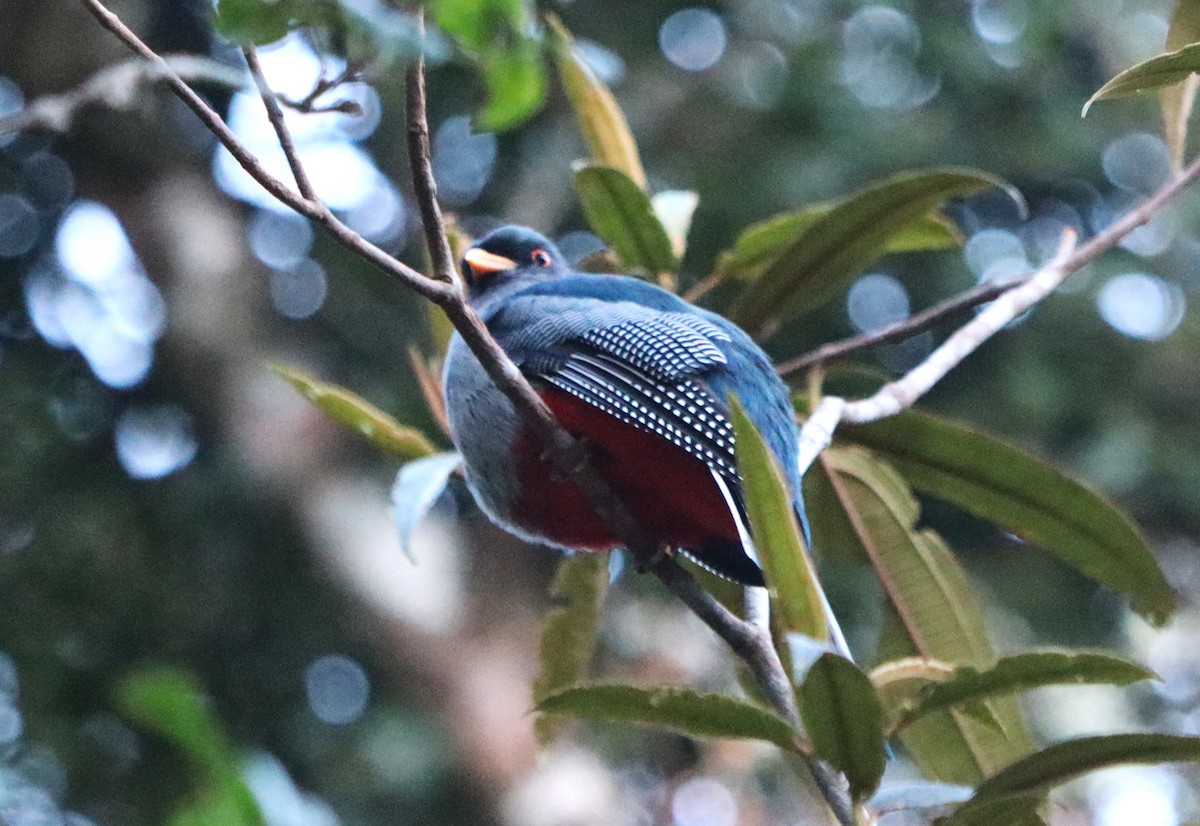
point(668, 491)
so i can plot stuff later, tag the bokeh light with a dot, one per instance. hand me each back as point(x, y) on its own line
point(156, 441)
point(337, 688)
point(703, 801)
point(876, 300)
point(343, 173)
point(462, 160)
point(19, 225)
point(299, 291)
point(280, 239)
point(879, 50)
point(11, 102)
point(1141, 306)
point(95, 297)
point(693, 39)
point(1139, 162)
point(1000, 21)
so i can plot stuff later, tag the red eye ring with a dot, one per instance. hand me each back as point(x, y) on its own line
point(540, 257)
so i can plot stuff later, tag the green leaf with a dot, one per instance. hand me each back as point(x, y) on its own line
point(621, 213)
point(690, 712)
point(842, 242)
point(569, 632)
point(170, 703)
point(795, 591)
point(601, 120)
point(1164, 70)
point(358, 414)
point(844, 720)
point(257, 22)
point(516, 81)
point(253, 21)
point(932, 609)
point(1025, 496)
point(417, 487)
point(761, 244)
point(497, 33)
point(1042, 771)
point(1013, 810)
point(1176, 101)
point(479, 23)
point(1021, 672)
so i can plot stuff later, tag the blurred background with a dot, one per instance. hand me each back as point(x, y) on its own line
point(166, 500)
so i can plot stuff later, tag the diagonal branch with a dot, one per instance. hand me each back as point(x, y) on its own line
point(275, 116)
point(904, 392)
point(426, 287)
point(747, 639)
point(115, 87)
point(421, 162)
point(901, 330)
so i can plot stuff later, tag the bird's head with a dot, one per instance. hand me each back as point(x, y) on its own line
point(509, 254)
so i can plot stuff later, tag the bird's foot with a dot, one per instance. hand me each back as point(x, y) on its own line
point(652, 562)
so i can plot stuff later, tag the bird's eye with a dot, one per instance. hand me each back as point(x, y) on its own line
point(541, 258)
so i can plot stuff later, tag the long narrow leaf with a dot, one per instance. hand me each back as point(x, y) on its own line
point(1021, 672)
point(621, 213)
point(795, 591)
point(569, 632)
point(1025, 496)
point(935, 613)
point(693, 713)
point(844, 241)
point(761, 244)
point(1176, 101)
point(1163, 70)
point(1040, 772)
point(358, 414)
point(600, 119)
point(843, 718)
point(170, 703)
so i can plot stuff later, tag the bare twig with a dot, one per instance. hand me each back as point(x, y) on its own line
point(903, 393)
point(116, 87)
point(275, 116)
point(308, 103)
point(420, 160)
point(426, 287)
point(901, 330)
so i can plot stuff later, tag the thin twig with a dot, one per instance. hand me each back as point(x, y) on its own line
point(704, 286)
point(904, 392)
point(275, 116)
point(116, 87)
point(746, 639)
point(421, 162)
point(308, 104)
point(901, 330)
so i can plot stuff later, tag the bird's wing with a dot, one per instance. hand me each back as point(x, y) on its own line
point(643, 366)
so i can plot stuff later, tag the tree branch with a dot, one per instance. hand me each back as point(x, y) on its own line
point(904, 392)
point(275, 116)
point(115, 87)
point(421, 163)
point(746, 639)
point(901, 330)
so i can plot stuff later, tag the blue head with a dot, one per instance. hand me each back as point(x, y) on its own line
point(507, 255)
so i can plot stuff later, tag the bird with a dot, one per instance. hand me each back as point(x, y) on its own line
point(642, 378)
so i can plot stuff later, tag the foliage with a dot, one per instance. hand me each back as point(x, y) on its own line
point(950, 705)
point(938, 686)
